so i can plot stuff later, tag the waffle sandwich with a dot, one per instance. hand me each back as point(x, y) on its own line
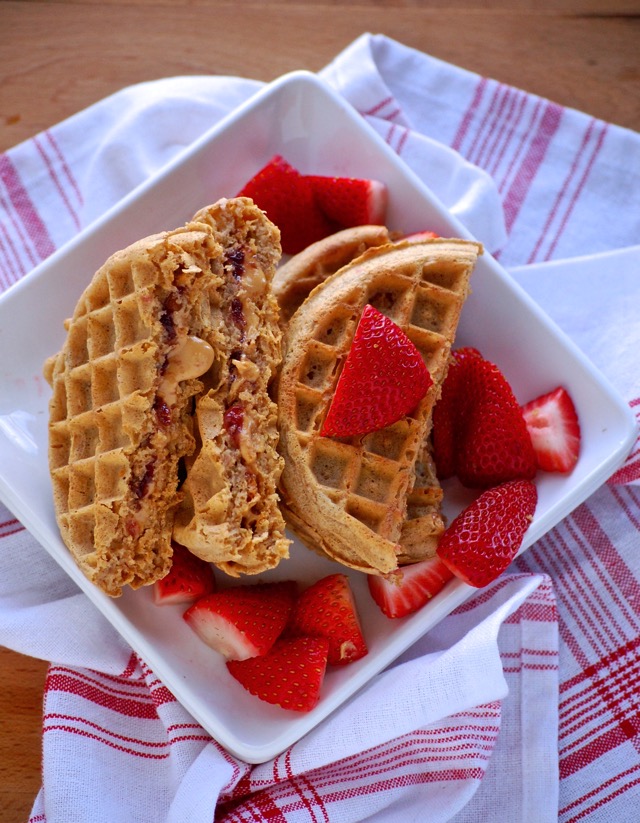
point(368, 502)
point(171, 334)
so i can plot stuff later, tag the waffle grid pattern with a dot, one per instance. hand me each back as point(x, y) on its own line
point(367, 476)
point(109, 356)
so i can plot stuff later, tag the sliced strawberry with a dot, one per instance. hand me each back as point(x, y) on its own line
point(554, 428)
point(485, 537)
point(445, 415)
point(327, 609)
point(244, 621)
point(417, 236)
point(290, 675)
point(407, 589)
point(383, 378)
point(188, 579)
point(288, 200)
point(492, 444)
point(349, 201)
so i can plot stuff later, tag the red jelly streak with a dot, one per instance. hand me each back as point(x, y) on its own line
point(235, 258)
point(237, 313)
point(140, 487)
point(163, 412)
point(233, 420)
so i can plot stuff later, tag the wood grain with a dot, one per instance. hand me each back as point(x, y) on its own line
point(59, 56)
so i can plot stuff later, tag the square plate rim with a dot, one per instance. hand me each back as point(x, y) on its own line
point(457, 593)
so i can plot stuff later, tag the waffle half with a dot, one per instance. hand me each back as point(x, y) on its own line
point(148, 341)
point(349, 498)
point(229, 513)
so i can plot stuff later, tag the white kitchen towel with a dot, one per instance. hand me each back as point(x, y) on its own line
point(531, 179)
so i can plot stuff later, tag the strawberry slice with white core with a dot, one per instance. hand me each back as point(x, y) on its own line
point(350, 201)
point(408, 588)
point(485, 537)
point(554, 428)
point(188, 579)
point(244, 621)
point(383, 378)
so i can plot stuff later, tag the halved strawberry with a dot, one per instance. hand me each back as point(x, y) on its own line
point(188, 579)
point(243, 621)
point(485, 537)
point(407, 589)
point(349, 201)
point(288, 200)
point(290, 675)
point(327, 609)
point(492, 444)
point(383, 378)
point(554, 428)
point(446, 412)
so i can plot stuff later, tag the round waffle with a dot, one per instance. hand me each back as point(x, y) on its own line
point(349, 497)
point(296, 279)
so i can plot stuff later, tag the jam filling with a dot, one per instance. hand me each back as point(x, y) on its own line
point(233, 420)
point(163, 412)
point(140, 486)
point(237, 315)
point(235, 259)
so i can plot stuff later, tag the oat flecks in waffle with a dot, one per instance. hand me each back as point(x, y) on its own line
point(148, 338)
point(229, 514)
point(350, 498)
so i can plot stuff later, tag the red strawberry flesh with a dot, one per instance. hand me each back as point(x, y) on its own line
point(554, 428)
point(446, 413)
point(485, 537)
point(383, 378)
point(407, 589)
point(243, 621)
point(188, 579)
point(327, 609)
point(349, 201)
point(288, 200)
point(290, 675)
point(492, 444)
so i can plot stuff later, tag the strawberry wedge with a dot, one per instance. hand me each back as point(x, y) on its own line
point(327, 609)
point(407, 589)
point(554, 428)
point(244, 621)
point(485, 537)
point(383, 378)
point(188, 579)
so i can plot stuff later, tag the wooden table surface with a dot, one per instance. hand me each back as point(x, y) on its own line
point(58, 56)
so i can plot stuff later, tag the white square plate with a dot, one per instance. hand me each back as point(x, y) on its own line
point(315, 130)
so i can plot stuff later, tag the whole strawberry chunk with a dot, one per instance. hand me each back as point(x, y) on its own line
point(407, 589)
point(243, 621)
point(288, 200)
point(383, 378)
point(554, 428)
point(349, 201)
point(492, 444)
point(188, 579)
point(485, 537)
point(327, 609)
point(290, 675)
